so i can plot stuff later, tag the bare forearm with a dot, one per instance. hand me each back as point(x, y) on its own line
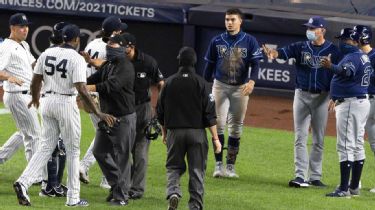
point(4, 75)
point(213, 132)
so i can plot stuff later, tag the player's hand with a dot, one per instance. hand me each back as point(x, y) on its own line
point(217, 146)
point(34, 103)
point(15, 80)
point(326, 62)
point(331, 106)
point(109, 119)
point(86, 56)
point(270, 53)
point(248, 88)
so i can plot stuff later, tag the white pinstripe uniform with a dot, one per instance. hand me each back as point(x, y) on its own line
point(17, 60)
point(97, 50)
point(61, 67)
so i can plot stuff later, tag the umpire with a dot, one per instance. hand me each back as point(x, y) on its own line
point(114, 81)
point(147, 73)
point(185, 117)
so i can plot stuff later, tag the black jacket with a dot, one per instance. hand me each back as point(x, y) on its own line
point(114, 82)
point(186, 102)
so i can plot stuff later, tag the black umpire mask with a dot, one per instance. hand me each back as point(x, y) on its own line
point(113, 53)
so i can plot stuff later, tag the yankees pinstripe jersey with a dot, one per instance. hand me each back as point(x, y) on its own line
point(16, 59)
point(96, 49)
point(61, 67)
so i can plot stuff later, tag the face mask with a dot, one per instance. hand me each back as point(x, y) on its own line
point(311, 35)
point(346, 48)
point(112, 53)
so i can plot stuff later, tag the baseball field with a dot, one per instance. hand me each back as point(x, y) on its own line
point(265, 166)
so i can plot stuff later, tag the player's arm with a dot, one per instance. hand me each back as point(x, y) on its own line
point(4, 76)
point(345, 68)
point(210, 58)
point(157, 76)
point(160, 112)
point(35, 87)
point(285, 53)
point(256, 56)
point(93, 62)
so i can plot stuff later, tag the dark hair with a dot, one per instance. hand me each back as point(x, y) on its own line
point(234, 11)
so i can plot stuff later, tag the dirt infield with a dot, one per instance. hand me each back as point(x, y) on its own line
point(267, 112)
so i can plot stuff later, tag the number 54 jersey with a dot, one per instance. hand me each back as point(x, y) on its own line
point(61, 67)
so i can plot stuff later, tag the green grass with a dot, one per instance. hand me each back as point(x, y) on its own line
point(265, 165)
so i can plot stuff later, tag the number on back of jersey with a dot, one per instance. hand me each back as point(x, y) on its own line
point(53, 65)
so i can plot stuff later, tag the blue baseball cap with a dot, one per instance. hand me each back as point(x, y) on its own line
point(364, 32)
point(344, 33)
point(113, 23)
point(70, 32)
point(19, 19)
point(316, 22)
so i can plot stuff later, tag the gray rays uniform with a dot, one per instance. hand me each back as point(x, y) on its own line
point(61, 67)
point(17, 60)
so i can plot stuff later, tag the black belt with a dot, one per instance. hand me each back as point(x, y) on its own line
point(142, 101)
point(63, 94)
point(340, 100)
point(22, 92)
point(312, 91)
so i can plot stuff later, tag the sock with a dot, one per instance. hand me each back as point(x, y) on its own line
point(233, 148)
point(52, 171)
point(345, 167)
point(356, 173)
point(219, 156)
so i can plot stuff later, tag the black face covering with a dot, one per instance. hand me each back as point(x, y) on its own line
point(113, 53)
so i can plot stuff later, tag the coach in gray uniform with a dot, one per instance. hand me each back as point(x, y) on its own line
point(114, 81)
point(147, 73)
point(186, 116)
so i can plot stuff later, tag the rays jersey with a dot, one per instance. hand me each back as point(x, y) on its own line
point(310, 76)
point(97, 50)
point(371, 87)
point(61, 67)
point(232, 56)
point(352, 76)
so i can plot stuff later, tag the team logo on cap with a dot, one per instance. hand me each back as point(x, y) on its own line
point(24, 17)
point(311, 20)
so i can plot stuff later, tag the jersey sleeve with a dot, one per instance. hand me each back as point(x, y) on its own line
point(289, 51)
point(157, 76)
point(209, 115)
point(4, 57)
point(79, 71)
point(211, 54)
point(255, 50)
point(38, 69)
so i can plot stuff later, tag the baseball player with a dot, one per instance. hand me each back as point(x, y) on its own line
point(310, 99)
point(364, 44)
point(63, 71)
point(16, 72)
point(147, 72)
point(96, 49)
point(184, 118)
point(350, 101)
point(56, 164)
point(229, 57)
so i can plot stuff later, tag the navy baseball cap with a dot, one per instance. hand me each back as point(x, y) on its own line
point(113, 23)
point(19, 19)
point(364, 32)
point(70, 32)
point(344, 33)
point(316, 22)
point(129, 38)
point(119, 39)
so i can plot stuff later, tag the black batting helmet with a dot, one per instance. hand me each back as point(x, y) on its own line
point(56, 37)
point(152, 129)
point(364, 33)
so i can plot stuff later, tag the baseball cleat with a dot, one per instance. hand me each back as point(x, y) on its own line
point(22, 196)
point(114, 202)
point(372, 190)
point(83, 176)
point(81, 203)
point(104, 184)
point(339, 194)
point(219, 170)
point(173, 202)
point(230, 171)
point(354, 192)
point(317, 183)
point(298, 182)
point(47, 193)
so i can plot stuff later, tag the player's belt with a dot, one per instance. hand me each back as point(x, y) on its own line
point(340, 100)
point(63, 94)
point(22, 92)
point(312, 91)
